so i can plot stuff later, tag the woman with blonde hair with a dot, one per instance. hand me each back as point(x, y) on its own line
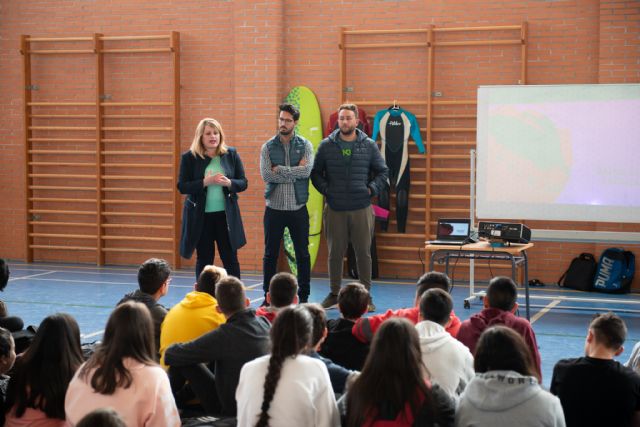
point(211, 176)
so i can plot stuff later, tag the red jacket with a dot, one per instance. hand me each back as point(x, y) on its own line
point(267, 312)
point(471, 329)
point(366, 327)
point(364, 125)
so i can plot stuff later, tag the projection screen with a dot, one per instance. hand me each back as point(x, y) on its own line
point(559, 152)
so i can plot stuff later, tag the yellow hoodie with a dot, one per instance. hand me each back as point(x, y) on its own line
point(192, 317)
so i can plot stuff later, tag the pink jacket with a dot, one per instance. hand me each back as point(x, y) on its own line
point(147, 402)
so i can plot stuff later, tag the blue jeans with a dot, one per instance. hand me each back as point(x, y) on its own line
point(298, 224)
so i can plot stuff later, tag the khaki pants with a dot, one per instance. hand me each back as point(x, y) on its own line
point(344, 227)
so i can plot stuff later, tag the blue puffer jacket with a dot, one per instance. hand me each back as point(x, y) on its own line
point(346, 186)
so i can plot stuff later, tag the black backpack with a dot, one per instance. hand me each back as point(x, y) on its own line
point(580, 273)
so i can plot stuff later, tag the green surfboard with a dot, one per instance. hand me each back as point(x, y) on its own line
point(309, 126)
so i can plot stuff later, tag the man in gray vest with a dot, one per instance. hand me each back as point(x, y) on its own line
point(285, 165)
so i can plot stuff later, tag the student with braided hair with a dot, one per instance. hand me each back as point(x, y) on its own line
point(287, 388)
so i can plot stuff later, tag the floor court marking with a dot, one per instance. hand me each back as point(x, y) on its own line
point(107, 283)
point(32, 276)
point(256, 300)
point(91, 334)
point(545, 310)
point(100, 269)
point(133, 272)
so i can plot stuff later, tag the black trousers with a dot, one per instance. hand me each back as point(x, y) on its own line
point(298, 224)
point(215, 229)
point(202, 383)
point(400, 180)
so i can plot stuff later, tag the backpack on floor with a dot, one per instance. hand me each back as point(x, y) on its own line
point(580, 273)
point(615, 271)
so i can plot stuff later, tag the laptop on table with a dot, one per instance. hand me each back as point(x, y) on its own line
point(454, 232)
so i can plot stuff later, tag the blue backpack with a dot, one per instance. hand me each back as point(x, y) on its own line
point(615, 271)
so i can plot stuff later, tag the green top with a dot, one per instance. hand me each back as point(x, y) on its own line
point(345, 147)
point(215, 196)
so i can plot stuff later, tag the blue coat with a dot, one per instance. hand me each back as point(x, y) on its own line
point(352, 187)
point(191, 184)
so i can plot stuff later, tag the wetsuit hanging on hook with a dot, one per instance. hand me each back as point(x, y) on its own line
point(395, 125)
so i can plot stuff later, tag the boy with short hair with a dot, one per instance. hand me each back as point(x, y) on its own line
point(154, 276)
point(500, 304)
point(283, 292)
point(448, 361)
point(241, 339)
point(340, 345)
point(596, 390)
point(196, 314)
point(366, 327)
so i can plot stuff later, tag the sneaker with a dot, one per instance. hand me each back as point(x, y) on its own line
point(331, 301)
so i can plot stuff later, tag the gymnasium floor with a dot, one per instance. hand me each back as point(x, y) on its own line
point(89, 294)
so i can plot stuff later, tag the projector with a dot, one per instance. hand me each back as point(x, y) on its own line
point(507, 232)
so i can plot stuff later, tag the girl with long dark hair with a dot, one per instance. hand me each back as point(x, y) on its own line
point(393, 388)
point(287, 388)
point(123, 375)
point(42, 373)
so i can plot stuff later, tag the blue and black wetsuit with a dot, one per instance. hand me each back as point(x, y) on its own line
point(395, 125)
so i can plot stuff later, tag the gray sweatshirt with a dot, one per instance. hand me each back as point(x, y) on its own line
point(634, 359)
point(506, 398)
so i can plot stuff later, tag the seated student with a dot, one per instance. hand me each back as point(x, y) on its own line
point(596, 390)
point(7, 358)
point(505, 391)
point(499, 306)
point(12, 323)
point(340, 345)
point(337, 374)
point(103, 417)
point(393, 388)
point(241, 339)
point(287, 388)
point(448, 361)
point(634, 359)
point(123, 375)
point(195, 314)
point(153, 282)
point(366, 327)
point(41, 375)
point(283, 291)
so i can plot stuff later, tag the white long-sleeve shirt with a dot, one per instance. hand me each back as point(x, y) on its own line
point(303, 395)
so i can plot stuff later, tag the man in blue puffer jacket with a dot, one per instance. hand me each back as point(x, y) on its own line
point(348, 170)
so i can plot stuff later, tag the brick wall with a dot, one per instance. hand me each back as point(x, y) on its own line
point(240, 58)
